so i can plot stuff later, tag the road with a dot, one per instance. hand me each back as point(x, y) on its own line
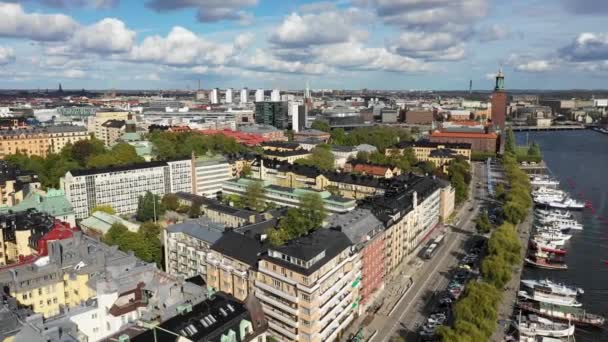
point(432, 276)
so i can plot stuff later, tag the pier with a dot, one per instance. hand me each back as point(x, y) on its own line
point(547, 128)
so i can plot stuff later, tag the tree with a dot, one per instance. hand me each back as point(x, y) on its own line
point(483, 224)
point(321, 125)
point(254, 195)
point(105, 208)
point(145, 243)
point(338, 136)
point(246, 171)
point(510, 142)
point(321, 157)
point(460, 188)
point(82, 150)
point(313, 209)
point(194, 211)
point(149, 207)
point(170, 201)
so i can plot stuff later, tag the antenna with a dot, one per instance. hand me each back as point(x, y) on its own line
point(199, 84)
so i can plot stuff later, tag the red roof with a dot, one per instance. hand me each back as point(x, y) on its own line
point(438, 134)
point(60, 231)
point(379, 171)
point(249, 139)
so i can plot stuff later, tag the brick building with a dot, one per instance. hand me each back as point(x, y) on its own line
point(480, 142)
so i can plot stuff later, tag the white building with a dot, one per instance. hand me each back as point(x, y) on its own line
point(120, 187)
point(209, 173)
point(259, 95)
point(293, 111)
point(244, 95)
point(229, 95)
point(214, 96)
point(275, 95)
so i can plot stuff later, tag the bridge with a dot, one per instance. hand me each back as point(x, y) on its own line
point(548, 128)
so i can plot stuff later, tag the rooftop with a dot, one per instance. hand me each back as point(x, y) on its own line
point(357, 224)
point(114, 124)
point(201, 228)
point(426, 143)
point(471, 135)
point(239, 247)
point(327, 241)
point(136, 166)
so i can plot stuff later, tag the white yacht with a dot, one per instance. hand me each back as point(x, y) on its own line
point(554, 213)
point(561, 223)
point(553, 236)
point(557, 288)
point(533, 326)
point(539, 181)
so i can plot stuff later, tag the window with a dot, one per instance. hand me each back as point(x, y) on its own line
point(306, 297)
point(276, 283)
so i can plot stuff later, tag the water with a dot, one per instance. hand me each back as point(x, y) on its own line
point(582, 158)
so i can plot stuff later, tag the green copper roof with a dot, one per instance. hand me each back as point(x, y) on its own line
point(53, 202)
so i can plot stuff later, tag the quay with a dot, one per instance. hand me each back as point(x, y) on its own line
point(547, 128)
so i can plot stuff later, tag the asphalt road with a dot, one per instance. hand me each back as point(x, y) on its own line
point(433, 275)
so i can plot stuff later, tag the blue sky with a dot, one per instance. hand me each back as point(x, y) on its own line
point(342, 44)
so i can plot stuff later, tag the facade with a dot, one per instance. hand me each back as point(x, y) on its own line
point(440, 154)
point(229, 95)
point(208, 174)
point(244, 95)
point(214, 96)
point(366, 233)
point(289, 197)
point(275, 95)
point(52, 202)
point(259, 95)
point(419, 117)
point(94, 123)
point(480, 142)
point(448, 200)
point(111, 131)
point(20, 234)
point(231, 264)
point(310, 294)
point(119, 187)
point(499, 103)
point(286, 156)
point(39, 141)
point(272, 113)
point(389, 115)
point(187, 245)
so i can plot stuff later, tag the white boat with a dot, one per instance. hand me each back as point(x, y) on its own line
point(562, 223)
point(538, 294)
point(533, 325)
point(548, 198)
point(545, 181)
point(566, 203)
point(558, 288)
point(553, 236)
point(548, 191)
point(554, 213)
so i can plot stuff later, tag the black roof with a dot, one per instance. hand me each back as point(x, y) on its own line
point(226, 313)
point(135, 166)
point(282, 144)
point(226, 209)
point(443, 153)
point(288, 153)
point(331, 241)
point(240, 247)
point(114, 123)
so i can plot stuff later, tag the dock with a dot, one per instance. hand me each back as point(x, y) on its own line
point(547, 128)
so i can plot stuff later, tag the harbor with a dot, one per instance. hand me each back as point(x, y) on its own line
point(566, 263)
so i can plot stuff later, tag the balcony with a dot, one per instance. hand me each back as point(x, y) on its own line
point(282, 330)
point(342, 302)
point(338, 325)
point(275, 302)
point(281, 316)
point(276, 292)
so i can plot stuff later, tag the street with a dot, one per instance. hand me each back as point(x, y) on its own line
point(433, 275)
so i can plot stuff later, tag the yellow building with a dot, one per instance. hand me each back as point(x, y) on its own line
point(64, 278)
point(310, 294)
point(9, 194)
point(39, 141)
point(231, 264)
point(440, 154)
point(95, 123)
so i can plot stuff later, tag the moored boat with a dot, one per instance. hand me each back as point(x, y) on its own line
point(533, 325)
point(577, 316)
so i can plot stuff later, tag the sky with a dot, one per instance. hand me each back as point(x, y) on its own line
point(341, 44)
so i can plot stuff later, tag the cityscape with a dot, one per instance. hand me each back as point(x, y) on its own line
point(268, 171)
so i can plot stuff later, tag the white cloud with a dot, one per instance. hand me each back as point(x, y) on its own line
point(297, 31)
point(243, 40)
point(74, 73)
point(587, 46)
point(207, 10)
point(148, 77)
point(262, 61)
point(181, 47)
point(7, 55)
point(429, 45)
point(109, 35)
point(16, 23)
point(535, 66)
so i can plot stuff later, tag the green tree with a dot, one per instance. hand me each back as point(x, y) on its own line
point(82, 150)
point(106, 208)
point(321, 125)
point(194, 211)
point(170, 201)
point(482, 223)
point(313, 209)
point(254, 197)
point(246, 172)
point(338, 136)
point(149, 207)
point(510, 142)
point(321, 157)
point(460, 188)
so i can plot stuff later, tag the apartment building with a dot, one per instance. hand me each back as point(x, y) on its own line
point(95, 123)
point(287, 156)
point(289, 197)
point(111, 131)
point(410, 212)
point(20, 233)
point(52, 202)
point(39, 141)
point(62, 278)
point(440, 154)
point(14, 184)
point(232, 263)
point(121, 186)
point(209, 172)
point(187, 244)
point(366, 234)
point(309, 287)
